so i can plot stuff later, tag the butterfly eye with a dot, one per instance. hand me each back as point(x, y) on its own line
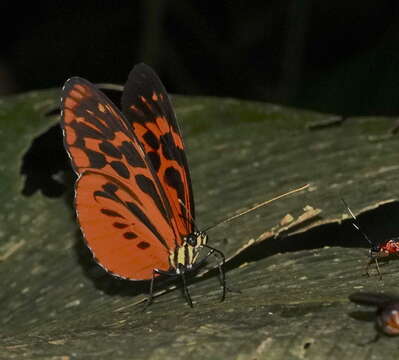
point(191, 240)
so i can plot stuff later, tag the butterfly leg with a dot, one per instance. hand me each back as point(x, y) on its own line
point(150, 298)
point(185, 288)
point(221, 261)
point(151, 293)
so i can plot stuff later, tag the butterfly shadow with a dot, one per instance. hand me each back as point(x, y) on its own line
point(45, 165)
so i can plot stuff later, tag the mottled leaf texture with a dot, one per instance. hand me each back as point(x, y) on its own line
point(126, 211)
point(294, 288)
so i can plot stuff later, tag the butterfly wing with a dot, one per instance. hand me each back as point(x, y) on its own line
point(122, 209)
point(147, 108)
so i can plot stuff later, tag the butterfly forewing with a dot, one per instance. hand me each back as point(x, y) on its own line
point(148, 110)
point(124, 213)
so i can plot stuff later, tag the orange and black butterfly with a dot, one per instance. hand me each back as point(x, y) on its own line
point(133, 195)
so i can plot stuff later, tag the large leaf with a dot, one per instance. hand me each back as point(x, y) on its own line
point(294, 280)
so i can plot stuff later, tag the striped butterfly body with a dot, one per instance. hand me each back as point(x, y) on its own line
point(133, 195)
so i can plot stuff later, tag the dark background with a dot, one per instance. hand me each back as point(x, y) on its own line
point(338, 56)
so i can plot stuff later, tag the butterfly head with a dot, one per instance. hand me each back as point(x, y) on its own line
point(196, 239)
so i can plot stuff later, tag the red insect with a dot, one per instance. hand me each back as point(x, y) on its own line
point(133, 196)
point(377, 250)
point(387, 309)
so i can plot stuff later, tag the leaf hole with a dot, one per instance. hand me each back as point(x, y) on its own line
point(307, 345)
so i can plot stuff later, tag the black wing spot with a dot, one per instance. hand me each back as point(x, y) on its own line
point(131, 155)
point(151, 140)
point(148, 187)
point(129, 235)
point(109, 192)
point(97, 129)
point(111, 213)
point(97, 160)
point(110, 188)
point(155, 160)
point(120, 169)
point(143, 245)
point(173, 179)
point(170, 150)
point(110, 150)
point(119, 225)
point(86, 131)
point(146, 221)
point(168, 146)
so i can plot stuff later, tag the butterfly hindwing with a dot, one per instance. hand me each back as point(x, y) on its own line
point(123, 238)
point(123, 210)
point(148, 110)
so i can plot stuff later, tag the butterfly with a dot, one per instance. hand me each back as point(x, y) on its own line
point(377, 250)
point(133, 196)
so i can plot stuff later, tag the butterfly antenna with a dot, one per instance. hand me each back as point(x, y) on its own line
point(189, 218)
point(256, 207)
point(356, 224)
